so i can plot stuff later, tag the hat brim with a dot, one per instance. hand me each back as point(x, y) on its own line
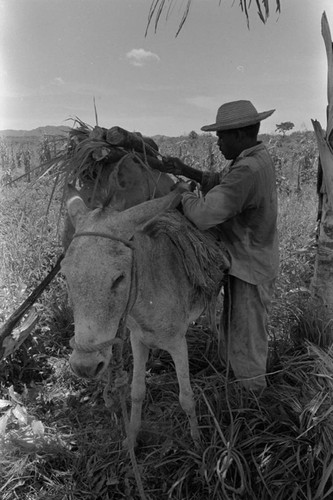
point(239, 123)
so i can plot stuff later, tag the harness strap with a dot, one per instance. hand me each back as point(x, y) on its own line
point(93, 348)
point(128, 243)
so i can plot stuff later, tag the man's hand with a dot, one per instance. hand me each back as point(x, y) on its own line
point(173, 165)
point(183, 187)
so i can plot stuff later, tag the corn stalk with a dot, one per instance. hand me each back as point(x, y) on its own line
point(322, 282)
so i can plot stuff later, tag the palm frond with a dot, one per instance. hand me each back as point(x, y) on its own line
point(157, 7)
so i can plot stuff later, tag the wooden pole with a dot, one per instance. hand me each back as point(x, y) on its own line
point(17, 315)
point(322, 282)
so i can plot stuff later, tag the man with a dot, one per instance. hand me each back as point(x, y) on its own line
point(242, 203)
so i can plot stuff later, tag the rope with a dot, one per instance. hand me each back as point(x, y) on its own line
point(120, 385)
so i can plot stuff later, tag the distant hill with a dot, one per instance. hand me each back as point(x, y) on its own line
point(36, 132)
point(50, 130)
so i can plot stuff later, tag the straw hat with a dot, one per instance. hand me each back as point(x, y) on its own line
point(236, 114)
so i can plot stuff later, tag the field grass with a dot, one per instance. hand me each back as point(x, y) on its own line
point(60, 442)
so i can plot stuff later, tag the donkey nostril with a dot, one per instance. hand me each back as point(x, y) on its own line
point(99, 368)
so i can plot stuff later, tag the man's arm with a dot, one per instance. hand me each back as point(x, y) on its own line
point(207, 179)
point(173, 165)
point(176, 167)
point(223, 201)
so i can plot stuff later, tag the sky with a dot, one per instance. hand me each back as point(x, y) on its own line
point(58, 56)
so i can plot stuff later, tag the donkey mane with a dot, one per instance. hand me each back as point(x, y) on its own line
point(204, 258)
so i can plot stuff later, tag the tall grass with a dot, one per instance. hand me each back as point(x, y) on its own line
point(29, 237)
point(297, 225)
point(59, 441)
point(29, 246)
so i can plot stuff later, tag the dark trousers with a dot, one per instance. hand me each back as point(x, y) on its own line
point(244, 340)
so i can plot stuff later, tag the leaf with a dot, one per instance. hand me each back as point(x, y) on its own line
point(325, 479)
point(101, 483)
point(37, 428)
point(26, 443)
point(14, 395)
point(4, 403)
point(325, 31)
point(21, 414)
point(3, 422)
point(326, 158)
point(19, 335)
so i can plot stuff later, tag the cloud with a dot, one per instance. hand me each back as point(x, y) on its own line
point(139, 57)
point(58, 81)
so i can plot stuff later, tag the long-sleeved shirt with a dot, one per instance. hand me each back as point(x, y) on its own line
point(243, 206)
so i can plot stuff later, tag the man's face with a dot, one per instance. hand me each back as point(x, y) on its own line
point(228, 143)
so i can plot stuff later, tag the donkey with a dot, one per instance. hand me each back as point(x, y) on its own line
point(114, 268)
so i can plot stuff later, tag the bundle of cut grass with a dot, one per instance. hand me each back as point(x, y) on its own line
point(91, 154)
point(89, 147)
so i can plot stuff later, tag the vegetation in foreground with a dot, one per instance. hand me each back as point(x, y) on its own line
point(58, 439)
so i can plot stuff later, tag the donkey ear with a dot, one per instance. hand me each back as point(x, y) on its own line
point(140, 214)
point(75, 205)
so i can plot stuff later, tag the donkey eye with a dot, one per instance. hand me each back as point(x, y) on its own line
point(118, 280)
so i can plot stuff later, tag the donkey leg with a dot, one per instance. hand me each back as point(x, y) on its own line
point(179, 355)
point(138, 389)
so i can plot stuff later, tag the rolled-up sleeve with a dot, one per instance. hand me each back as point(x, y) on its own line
point(223, 201)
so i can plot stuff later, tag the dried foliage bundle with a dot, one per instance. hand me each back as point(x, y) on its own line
point(91, 153)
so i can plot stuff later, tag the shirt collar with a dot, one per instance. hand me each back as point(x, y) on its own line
point(249, 151)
